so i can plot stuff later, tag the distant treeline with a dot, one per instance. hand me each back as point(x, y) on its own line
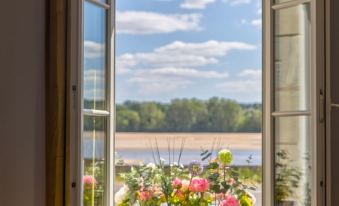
point(186, 115)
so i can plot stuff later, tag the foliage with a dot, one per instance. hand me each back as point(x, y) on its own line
point(174, 185)
point(187, 115)
point(93, 183)
point(287, 177)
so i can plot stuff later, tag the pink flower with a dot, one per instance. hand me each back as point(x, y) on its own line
point(145, 195)
point(177, 183)
point(230, 201)
point(89, 181)
point(198, 185)
point(185, 185)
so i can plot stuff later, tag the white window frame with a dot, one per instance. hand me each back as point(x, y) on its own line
point(75, 62)
point(317, 99)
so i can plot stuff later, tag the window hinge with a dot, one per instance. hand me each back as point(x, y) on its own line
point(74, 184)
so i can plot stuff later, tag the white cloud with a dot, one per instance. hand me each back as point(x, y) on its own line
point(94, 75)
point(256, 22)
point(237, 2)
point(94, 82)
point(169, 79)
point(196, 4)
point(93, 49)
point(182, 72)
point(251, 73)
point(155, 85)
point(180, 55)
point(175, 65)
point(249, 82)
point(139, 22)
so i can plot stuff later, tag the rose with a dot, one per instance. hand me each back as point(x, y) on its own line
point(177, 183)
point(89, 181)
point(225, 156)
point(230, 201)
point(199, 185)
point(185, 185)
point(145, 195)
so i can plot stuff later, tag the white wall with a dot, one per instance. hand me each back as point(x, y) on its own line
point(22, 129)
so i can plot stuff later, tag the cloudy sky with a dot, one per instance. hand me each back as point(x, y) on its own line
point(169, 49)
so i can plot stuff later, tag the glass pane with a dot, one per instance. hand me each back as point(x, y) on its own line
point(94, 141)
point(293, 161)
point(292, 57)
point(94, 57)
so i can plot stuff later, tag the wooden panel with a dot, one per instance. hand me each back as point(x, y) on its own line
point(335, 155)
point(334, 44)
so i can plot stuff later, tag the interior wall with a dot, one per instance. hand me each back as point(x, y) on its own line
point(22, 127)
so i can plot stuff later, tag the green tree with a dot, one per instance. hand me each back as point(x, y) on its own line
point(152, 118)
point(251, 121)
point(127, 120)
point(184, 115)
point(223, 115)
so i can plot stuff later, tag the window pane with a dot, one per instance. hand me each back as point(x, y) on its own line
point(94, 57)
point(292, 57)
point(292, 161)
point(94, 141)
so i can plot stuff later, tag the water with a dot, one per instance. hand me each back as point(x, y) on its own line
point(145, 156)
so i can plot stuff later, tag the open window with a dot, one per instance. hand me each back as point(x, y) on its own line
point(96, 102)
point(294, 100)
point(293, 81)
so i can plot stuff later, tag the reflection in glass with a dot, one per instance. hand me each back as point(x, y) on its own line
point(292, 161)
point(94, 137)
point(94, 57)
point(292, 58)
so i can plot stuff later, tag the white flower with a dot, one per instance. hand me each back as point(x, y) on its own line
point(162, 160)
point(151, 165)
point(121, 194)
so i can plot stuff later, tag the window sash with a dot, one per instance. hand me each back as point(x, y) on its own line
point(77, 7)
point(317, 85)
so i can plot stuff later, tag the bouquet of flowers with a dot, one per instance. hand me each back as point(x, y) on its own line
point(216, 183)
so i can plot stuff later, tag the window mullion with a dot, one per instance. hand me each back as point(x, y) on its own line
point(93, 112)
point(289, 4)
point(100, 4)
point(291, 113)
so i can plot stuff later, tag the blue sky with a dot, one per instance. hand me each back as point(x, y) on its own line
point(168, 49)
